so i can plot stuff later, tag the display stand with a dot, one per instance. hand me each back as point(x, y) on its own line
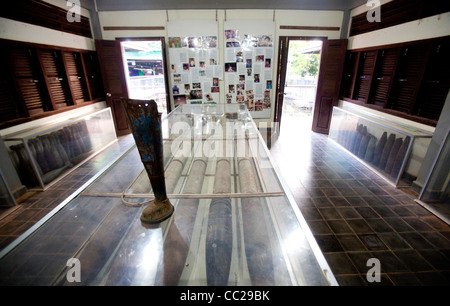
point(390, 149)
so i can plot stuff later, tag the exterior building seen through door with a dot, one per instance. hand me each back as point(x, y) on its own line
point(145, 71)
point(301, 82)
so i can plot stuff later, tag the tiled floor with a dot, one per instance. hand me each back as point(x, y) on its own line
point(356, 215)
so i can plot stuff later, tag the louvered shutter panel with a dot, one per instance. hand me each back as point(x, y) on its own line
point(76, 77)
point(349, 75)
point(56, 79)
point(435, 83)
point(364, 77)
point(93, 75)
point(406, 84)
point(30, 84)
point(383, 76)
point(8, 107)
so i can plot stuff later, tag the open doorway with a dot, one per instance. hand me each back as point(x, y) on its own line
point(301, 81)
point(301, 74)
point(145, 73)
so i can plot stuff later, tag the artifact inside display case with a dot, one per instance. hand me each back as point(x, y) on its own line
point(44, 154)
point(387, 149)
point(145, 122)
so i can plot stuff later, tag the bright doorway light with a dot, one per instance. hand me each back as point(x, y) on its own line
point(145, 71)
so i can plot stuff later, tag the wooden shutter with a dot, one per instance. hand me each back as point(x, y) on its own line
point(383, 76)
point(56, 78)
point(435, 83)
point(28, 78)
point(364, 77)
point(76, 77)
point(410, 69)
point(93, 75)
point(349, 75)
point(8, 108)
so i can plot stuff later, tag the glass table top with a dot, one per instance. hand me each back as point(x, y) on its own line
point(235, 222)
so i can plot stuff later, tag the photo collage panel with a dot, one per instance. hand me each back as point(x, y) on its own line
point(195, 70)
point(248, 69)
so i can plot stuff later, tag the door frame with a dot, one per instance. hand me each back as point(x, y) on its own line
point(283, 54)
point(165, 63)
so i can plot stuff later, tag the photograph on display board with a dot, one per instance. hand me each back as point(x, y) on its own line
point(177, 79)
point(230, 67)
point(209, 98)
point(231, 35)
point(196, 94)
point(209, 42)
point(195, 42)
point(179, 99)
point(177, 42)
point(265, 41)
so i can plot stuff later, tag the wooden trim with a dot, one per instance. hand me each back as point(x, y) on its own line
point(13, 122)
point(125, 28)
point(392, 112)
point(153, 38)
point(310, 28)
point(403, 44)
point(9, 42)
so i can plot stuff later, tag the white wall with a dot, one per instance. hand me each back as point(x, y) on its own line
point(280, 17)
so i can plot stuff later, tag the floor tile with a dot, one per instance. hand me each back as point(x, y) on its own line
point(339, 226)
point(394, 241)
point(372, 242)
point(351, 243)
point(341, 262)
point(328, 243)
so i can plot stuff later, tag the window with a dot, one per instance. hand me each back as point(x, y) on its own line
point(40, 80)
point(410, 80)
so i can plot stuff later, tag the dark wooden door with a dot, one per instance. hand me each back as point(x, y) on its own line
point(330, 73)
point(283, 50)
point(111, 65)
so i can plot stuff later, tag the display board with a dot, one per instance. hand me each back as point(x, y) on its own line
point(248, 64)
point(194, 61)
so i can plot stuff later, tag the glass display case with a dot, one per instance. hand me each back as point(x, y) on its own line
point(6, 197)
point(235, 221)
point(44, 154)
point(435, 189)
point(395, 151)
